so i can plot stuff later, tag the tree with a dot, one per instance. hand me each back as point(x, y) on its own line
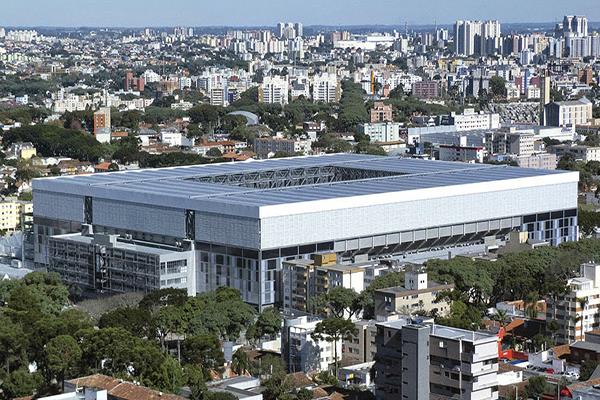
point(333, 330)
point(341, 302)
point(587, 369)
point(277, 387)
point(135, 320)
point(240, 363)
point(304, 394)
point(13, 344)
point(62, 355)
point(214, 152)
point(498, 86)
point(536, 386)
point(203, 351)
point(21, 383)
point(195, 380)
point(267, 324)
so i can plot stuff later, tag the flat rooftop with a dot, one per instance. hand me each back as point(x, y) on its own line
point(285, 181)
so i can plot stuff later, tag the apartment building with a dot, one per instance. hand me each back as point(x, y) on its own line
point(362, 346)
point(381, 112)
point(418, 294)
point(12, 212)
point(417, 360)
point(511, 142)
point(469, 154)
point(304, 353)
point(326, 88)
point(567, 113)
point(21, 151)
point(579, 152)
point(427, 89)
point(266, 147)
point(577, 311)
point(305, 280)
point(273, 90)
point(538, 161)
point(102, 125)
point(381, 132)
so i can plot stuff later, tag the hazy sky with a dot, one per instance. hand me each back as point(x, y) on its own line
point(138, 13)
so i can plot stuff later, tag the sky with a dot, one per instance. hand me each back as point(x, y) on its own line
point(141, 13)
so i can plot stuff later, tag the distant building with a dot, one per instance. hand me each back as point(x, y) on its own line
point(21, 151)
point(468, 154)
point(381, 131)
point(266, 147)
point(427, 89)
point(131, 83)
point(326, 88)
point(381, 112)
point(566, 113)
point(470, 120)
point(538, 161)
point(418, 295)
point(273, 90)
point(102, 125)
point(577, 311)
point(579, 152)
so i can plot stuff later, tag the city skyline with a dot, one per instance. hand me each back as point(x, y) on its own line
point(137, 13)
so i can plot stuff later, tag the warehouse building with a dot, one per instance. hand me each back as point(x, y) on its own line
point(241, 220)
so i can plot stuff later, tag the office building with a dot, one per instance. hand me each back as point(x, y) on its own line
point(362, 346)
point(381, 112)
point(242, 220)
point(418, 295)
point(326, 88)
point(102, 125)
point(274, 90)
point(577, 311)
point(416, 361)
point(568, 113)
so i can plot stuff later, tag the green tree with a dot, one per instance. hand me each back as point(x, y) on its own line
point(498, 86)
point(13, 344)
point(536, 386)
point(304, 394)
point(240, 363)
point(587, 369)
point(333, 330)
point(214, 152)
point(136, 320)
point(21, 383)
point(267, 324)
point(341, 302)
point(203, 351)
point(62, 356)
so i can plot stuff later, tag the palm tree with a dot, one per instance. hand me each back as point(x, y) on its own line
point(501, 316)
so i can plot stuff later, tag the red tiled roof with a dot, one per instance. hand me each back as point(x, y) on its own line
point(122, 390)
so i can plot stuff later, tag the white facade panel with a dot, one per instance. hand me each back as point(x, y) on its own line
point(280, 231)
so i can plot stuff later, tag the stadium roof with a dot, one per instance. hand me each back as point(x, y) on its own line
point(377, 175)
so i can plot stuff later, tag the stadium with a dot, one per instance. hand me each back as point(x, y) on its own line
point(204, 226)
